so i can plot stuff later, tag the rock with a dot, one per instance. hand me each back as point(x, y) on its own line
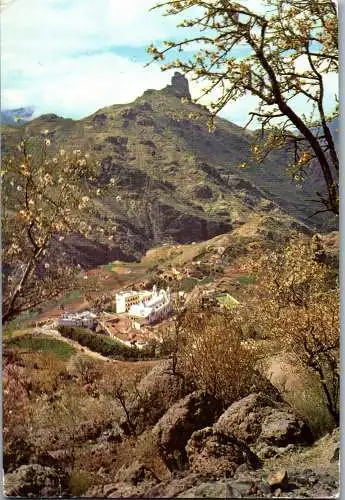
point(133, 481)
point(204, 192)
point(116, 490)
point(258, 419)
point(214, 454)
point(278, 480)
point(35, 481)
point(175, 487)
point(195, 411)
point(282, 427)
point(179, 85)
point(158, 391)
point(210, 489)
point(136, 473)
point(243, 418)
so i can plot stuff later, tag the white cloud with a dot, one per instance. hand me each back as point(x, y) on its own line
point(78, 87)
point(59, 54)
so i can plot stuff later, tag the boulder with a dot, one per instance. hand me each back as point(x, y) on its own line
point(172, 431)
point(278, 479)
point(258, 419)
point(282, 427)
point(215, 454)
point(133, 481)
point(157, 392)
point(35, 480)
point(136, 473)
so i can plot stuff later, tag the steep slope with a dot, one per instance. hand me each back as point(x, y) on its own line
point(175, 181)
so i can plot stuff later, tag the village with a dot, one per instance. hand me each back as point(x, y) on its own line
point(134, 320)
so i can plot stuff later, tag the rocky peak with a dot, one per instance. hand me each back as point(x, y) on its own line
point(179, 85)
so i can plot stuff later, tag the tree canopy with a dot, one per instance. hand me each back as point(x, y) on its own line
point(286, 48)
point(44, 199)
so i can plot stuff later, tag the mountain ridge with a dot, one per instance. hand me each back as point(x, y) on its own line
point(175, 181)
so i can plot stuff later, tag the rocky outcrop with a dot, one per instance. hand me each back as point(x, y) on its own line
point(195, 411)
point(214, 454)
point(303, 483)
point(258, 419)
point(179, 86)
point(133, 481)
point(156, 393)
point(35, 480)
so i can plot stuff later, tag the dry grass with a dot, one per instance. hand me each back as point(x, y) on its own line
point(145, 450)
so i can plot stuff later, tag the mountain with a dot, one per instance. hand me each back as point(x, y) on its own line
point(175, 181)
point(16, 116)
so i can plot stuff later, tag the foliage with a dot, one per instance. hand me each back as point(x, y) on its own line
point(41, 344)
point(84, 367)
point(43, 200)
point(286, 48)
point(79, 482)
point(104, 345)
point(215, 356)
point(299, 309)
point(247, 280)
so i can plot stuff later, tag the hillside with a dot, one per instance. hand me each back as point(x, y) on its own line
point(175, 181)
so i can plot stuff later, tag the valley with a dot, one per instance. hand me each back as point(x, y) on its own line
point(235, 392)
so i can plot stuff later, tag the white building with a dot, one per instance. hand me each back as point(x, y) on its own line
point(125, 300)
point(158, 307)
point(85, 319)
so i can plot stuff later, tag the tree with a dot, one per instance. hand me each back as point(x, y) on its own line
point(44, 199)
point(297, 304)
point(289, 46)
point(215, 356)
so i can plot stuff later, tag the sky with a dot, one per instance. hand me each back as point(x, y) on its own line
point(72, 57)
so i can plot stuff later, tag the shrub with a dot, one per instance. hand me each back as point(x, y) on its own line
point(84, 367)
point(215, 356)
point(79, 482)
point(106, 346)
point(297, 303)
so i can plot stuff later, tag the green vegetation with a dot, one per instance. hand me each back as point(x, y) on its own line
point(187, 284)
point(247, 280)
point(18, 322)
point(41, 344)
point(105, 345)
point(226, 300)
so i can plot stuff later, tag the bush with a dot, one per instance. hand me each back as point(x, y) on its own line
point(297, 303)
point(106, 346)
point(79, 482)
point(84, 367)
point(215, 356)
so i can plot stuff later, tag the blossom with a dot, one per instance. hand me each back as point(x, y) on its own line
point(62, 152)
point(47, 142)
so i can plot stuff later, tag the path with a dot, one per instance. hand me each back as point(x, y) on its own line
point(48, 329)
